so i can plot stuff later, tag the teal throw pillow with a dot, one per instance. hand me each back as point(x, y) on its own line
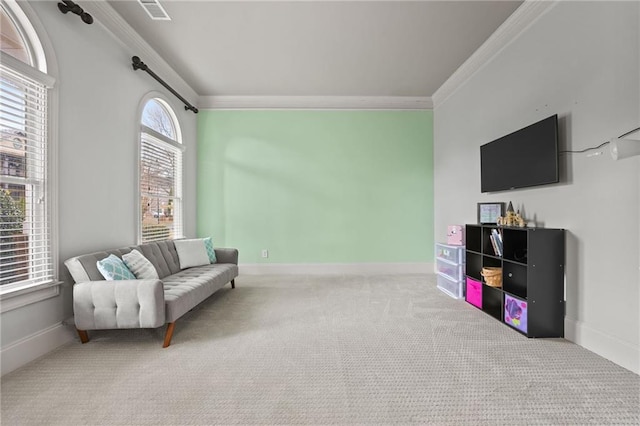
point(112, 268)
point(208, 244)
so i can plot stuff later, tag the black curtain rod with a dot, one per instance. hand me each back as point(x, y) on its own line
point(139, 65)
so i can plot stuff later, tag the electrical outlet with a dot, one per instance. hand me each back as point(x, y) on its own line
point(265, 253)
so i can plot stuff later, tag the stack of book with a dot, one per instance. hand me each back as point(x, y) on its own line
point(496, 242)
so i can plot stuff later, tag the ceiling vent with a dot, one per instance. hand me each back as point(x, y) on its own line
point(155, 10)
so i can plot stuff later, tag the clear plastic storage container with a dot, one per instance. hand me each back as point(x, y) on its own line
point(451, 270)
point(453, 288)
point(450, 253)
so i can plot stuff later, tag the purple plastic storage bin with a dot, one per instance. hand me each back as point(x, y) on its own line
point(515, 313)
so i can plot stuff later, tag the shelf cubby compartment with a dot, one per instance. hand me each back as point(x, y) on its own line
point(514, 279)
point(487, 245)
point(492, 301)
point(473, 238)
point(474, 265)
point(490, 262)
point(515, 244)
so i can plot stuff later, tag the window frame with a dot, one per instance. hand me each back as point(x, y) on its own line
point(176, 145)
point(43, 70)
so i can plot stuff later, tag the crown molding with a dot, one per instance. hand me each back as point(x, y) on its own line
point(107, 17)
point(317, 102)
point(525, 15)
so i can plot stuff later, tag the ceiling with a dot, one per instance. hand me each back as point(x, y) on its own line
point(317, 48)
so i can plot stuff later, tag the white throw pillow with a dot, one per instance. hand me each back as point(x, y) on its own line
point(191, 253)
point(141, 267)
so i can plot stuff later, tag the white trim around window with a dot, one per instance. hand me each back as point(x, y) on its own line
point(170, 153)
point(19, 294)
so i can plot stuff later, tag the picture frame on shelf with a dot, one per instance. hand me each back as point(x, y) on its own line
point(488, 213)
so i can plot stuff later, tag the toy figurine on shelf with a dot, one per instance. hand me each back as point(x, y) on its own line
point(511, 218)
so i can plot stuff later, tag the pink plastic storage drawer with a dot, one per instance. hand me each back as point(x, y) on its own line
point(474, 292)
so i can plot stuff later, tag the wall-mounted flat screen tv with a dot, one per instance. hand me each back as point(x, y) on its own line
point(527, 157)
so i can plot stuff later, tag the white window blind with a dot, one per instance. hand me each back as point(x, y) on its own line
point(160, 187)
point(25, 234)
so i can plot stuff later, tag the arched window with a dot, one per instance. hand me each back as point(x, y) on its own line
point(12, 41)
point(160, 173)
point(26, 216)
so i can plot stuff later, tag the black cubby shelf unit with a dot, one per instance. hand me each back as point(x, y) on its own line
point(531, 298)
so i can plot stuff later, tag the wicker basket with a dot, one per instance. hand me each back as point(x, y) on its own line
point(492, 276)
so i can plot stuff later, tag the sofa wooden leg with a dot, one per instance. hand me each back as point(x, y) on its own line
point(84, 337)
point(169, 334)
point(233, 284)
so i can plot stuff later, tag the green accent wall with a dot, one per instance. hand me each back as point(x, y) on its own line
point(317, 186)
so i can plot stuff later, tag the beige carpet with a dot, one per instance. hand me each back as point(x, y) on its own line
point(323, 350)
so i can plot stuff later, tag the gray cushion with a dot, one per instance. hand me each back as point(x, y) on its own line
point(118, 304)
point(83, 268)
point(184, 290)
point(226, 255)
point(168, 250)
point(154, 253)
point(161, 254)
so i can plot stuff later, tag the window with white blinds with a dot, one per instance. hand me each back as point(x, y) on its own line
point(160, 174)
point(25, 232)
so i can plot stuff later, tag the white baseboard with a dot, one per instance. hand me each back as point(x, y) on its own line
point(34, 346)
point(335, 268)
point(615, 350)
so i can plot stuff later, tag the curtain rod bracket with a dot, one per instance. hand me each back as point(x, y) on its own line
point(139, 65)
point(68, 6)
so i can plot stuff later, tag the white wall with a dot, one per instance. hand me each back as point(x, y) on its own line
point(99, 99)
point(581, 61)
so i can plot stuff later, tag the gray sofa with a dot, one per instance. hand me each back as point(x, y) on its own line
point(99, 304)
